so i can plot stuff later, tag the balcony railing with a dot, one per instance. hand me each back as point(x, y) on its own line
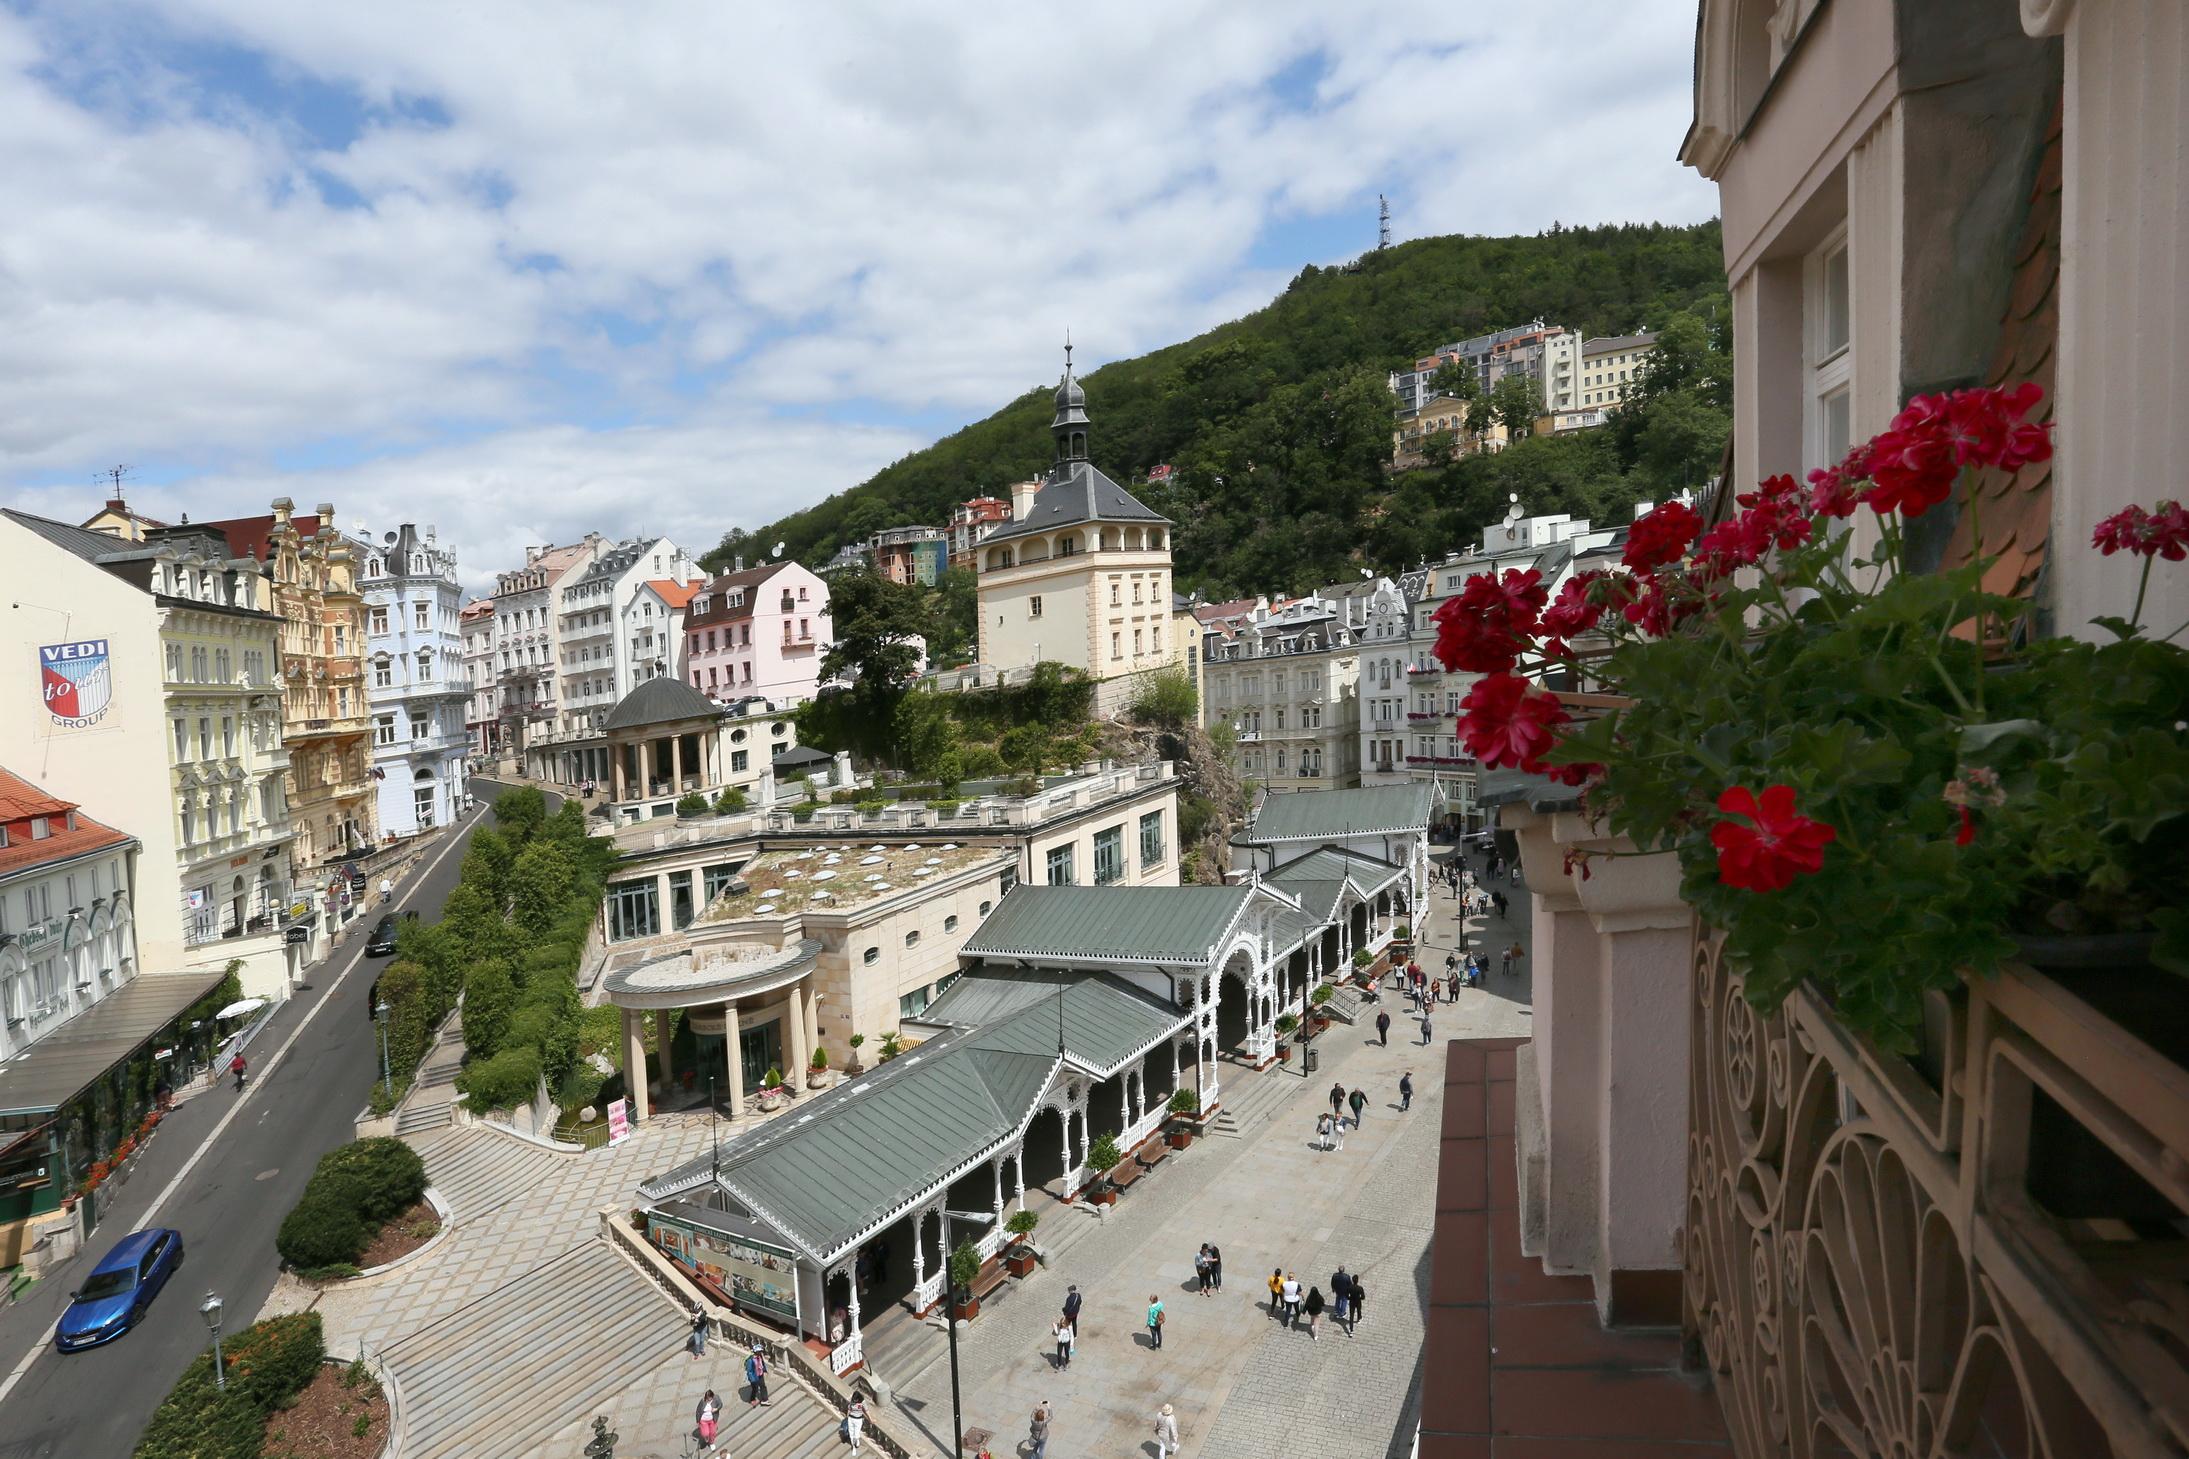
point(1973, 1249)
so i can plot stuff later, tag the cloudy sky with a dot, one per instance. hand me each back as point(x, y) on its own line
point(520, 270)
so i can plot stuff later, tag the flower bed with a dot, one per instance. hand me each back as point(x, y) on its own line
point(341, 1414)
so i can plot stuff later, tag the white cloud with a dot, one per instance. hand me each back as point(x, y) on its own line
point(802, 208)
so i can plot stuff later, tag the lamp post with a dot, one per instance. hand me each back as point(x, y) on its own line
point(950, 1322)
point(209, 1309)
point(714, 1133)
point(380, 1017)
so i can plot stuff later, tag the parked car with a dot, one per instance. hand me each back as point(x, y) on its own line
point(119, 1289)
point(382, 941)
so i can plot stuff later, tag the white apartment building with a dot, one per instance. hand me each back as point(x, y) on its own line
point(67, 931)
point(1611, 365)
point(527, 637)
point(482, 703)
point(620, 623)
point(1387, 652)
point(1549, 353)
point(415, 679)
point(1286, 680)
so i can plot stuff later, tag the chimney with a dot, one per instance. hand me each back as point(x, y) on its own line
point(737, 564)
point(326, 514)
point(532, 556)
point(1022, 498)
point(283, 507)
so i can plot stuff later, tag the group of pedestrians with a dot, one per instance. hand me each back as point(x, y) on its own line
point(1330, 1128)
point(1295, 1306)
point(1208, 1268)
point(709, 1412)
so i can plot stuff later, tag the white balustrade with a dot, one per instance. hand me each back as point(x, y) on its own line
point(928, 1292)
point(847, 1354)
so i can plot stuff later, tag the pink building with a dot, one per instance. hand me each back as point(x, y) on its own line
point(759, 630)
point(972, 520)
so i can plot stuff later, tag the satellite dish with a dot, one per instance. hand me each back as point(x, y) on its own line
point(388, 538)
point(776, 550)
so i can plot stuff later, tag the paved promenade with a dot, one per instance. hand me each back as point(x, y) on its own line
point(1242, 1385)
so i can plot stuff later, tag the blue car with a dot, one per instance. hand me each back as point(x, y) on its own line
point(119, 1289)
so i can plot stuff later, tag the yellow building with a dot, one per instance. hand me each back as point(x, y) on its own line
point(325, 719)
point(1081, 574)
point(1611, 366)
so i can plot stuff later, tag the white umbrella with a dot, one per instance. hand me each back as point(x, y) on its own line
point(240, 1007)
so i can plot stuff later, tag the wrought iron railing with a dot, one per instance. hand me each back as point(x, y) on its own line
point(1975, 1249)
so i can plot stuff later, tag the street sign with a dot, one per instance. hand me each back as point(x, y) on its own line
point(619, 1121)
point(297, 934)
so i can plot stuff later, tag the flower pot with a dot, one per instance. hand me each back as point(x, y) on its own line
point(1020, 1261)
point(770, 1100)
point(1180, 1138)
point(1284, 1053)
point(817, 1079)
point(1103, 1196)
point(965, 1311)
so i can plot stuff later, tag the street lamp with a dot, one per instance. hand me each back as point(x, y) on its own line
point(380, 1017)
point(950, 1321)
point(209, 1309)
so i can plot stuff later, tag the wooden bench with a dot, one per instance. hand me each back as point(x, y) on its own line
point(1151, 1152)
point(1126, 1173)
point(990, 1276)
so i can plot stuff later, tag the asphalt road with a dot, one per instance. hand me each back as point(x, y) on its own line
point(248, 1171)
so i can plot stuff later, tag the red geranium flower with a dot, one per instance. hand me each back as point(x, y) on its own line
point(1661, 536)
point(1571, 614)
point(1966, 831)
point(2164, 533)
point(1505, 720)
point(1777, 845)
point(1485, 629)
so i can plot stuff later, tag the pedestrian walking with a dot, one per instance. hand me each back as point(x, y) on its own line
point(1513, 955)
point(1337, 1098)
point(1340, 1306)
point(697, 1342)
point(1383, 1027)
point(1314, 1309)
point(1155, 1320)
point(1322, 1132)
point(1506, 958)
point(1216, 1266)
point(1426, 1032)
point(756, 1375)
point(1337, 1134)
point(1277, 1293)
point(1341, 1283)
point(1201, 1269)
point(1358, 1102)
point(855, 1422)
point(1037, 1430)
point(1071, 1310)
point(1498, 900)
point(1292, 1300)
point(1166, 1433)
point(1063, 1335)
point(1360, 1303)
point(710, 1420)
point(387, 890)
point(1406, 1091)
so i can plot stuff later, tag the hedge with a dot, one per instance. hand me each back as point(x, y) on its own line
point(510, 1078)
point(267, 1365)
point(354, 1188)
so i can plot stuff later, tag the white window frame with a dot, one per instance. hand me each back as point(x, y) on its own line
point(1827, 371)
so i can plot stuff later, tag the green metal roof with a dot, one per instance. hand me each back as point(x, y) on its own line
point(1323, 815)
point(1110, 924)
point(1319, 899)
point(841, 1161)
point(1336, 864)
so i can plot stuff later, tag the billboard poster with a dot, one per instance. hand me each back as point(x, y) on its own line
point(755, 1276)
point(77, 680)
point(619, 1121)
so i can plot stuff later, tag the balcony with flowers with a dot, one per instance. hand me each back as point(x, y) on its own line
point(1863, 891)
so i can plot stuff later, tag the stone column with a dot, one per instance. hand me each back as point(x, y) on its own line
point(794, 1028)
point(919, 1249)
point(1018, 1168)
point(634, 1063)
point(1065, 1179)
point(735, 1064)
point(995, 1171)
point(853, 1284)
point(615, 769)
point(676, 764)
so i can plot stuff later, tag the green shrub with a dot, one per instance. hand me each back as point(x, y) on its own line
point(268, 1364)
point(1185, 1102)
point(1167, 698)
point(964, 1265)
point(320, 1231)
point(1104, 1153)
point(819, 1059)
point(1022, 1224)
point(730, 801)
point(510, 1078)
point(692, 803)
point(1025, 747)
point(945, 807)
point(873, 806)
point(378, 1176)
point(842, 797)
point(490, 1001)
point(980, 762)
point(1320, 996)
point(1286, 1023)
point(579, 1088)
point(1362, 957)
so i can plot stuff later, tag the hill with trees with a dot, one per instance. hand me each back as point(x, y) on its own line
point(1279, 424)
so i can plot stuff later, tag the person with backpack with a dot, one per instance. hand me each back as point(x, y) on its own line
point(756, 1375)
point(1155, 1320)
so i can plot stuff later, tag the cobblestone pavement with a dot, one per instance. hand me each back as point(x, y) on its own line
point(1242, 1385)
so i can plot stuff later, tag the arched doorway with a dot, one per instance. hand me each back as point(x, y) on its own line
point(1235, 1012)
point(1044, 1148)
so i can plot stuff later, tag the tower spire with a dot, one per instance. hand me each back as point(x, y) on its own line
point(1070, 424)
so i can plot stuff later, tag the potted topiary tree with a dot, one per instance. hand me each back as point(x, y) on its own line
point(1287, 1025)
point(692, 805)
point(771, 1089)
point(1185, 1111)
point(892, 1046)
point(1104, 1156)
point(1020, 1257)
point(1318, 1003)
point(964, 1268)
point(817, 1068)
point(852, 1064)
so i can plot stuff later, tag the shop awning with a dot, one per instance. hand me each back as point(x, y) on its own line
point(67, 1061)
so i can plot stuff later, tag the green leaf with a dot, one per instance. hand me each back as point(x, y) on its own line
point(1976, 738)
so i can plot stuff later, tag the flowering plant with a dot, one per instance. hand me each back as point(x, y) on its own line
point(1874, 777)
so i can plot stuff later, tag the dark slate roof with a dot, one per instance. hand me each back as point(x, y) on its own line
point(1325, 815)
point(856, 1156)
point(89, 545)
point(802, 755)
point(1118, 924)
point(1077, 491)
point(660, 701)
point(613, 562)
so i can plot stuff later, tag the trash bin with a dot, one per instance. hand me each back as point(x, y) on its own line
point(1310, 1058)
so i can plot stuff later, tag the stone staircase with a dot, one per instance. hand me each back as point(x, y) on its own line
point(423, 1118)
point(902, 1347)
point(1345, 1005)
point(505, 1373)
point(475, 1169)
point(1249, 1099)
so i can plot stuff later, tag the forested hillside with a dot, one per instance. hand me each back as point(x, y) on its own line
point(1279, 424)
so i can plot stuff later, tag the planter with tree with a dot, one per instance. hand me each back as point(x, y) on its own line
point(1318, 1003)
point(1361, 959)
point(1185, 1110)
point(691, 806)
point(1020, 1256)
point(1104, 1156)
point(817, 1068)
point(772, 1091)
point(964, 1270)
point(852, 1064)
point(1287, 1025)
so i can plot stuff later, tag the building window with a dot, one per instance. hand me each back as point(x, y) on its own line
point(738, 761)
point(634, 910)
point(950, 923)
point(871, 956)
point(912, 1004)
point(715, 880)
point(1116, 645)
point(383, 729)
point(986, 907)
point(1151, 839)
point(1033, 606)
point(680, 899)
point(912, 939)
point(1060, 866)
point(1115, 590)
point(1109, 855)
point(422, 618)
point(1827, 337)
